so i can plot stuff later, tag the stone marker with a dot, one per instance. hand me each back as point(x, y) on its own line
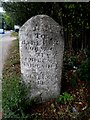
point(41, 57)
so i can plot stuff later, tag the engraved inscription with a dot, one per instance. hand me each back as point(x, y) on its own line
point(41, 53)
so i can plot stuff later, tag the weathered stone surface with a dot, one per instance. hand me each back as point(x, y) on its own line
point(41, 57)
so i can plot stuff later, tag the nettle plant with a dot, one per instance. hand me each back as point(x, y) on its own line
point(65, 98)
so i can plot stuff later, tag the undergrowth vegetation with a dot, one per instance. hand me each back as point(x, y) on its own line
point(72, 104)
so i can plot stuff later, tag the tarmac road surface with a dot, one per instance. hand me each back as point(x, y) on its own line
point(5, 42)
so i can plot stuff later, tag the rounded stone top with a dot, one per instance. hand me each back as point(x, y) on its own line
point(39, 20)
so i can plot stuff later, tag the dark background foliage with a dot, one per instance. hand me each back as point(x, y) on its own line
point(74, 17)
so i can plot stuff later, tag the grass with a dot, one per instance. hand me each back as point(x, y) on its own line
point(14, 34)
point(12, 63)
point(11, 82)
point(15, 106)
